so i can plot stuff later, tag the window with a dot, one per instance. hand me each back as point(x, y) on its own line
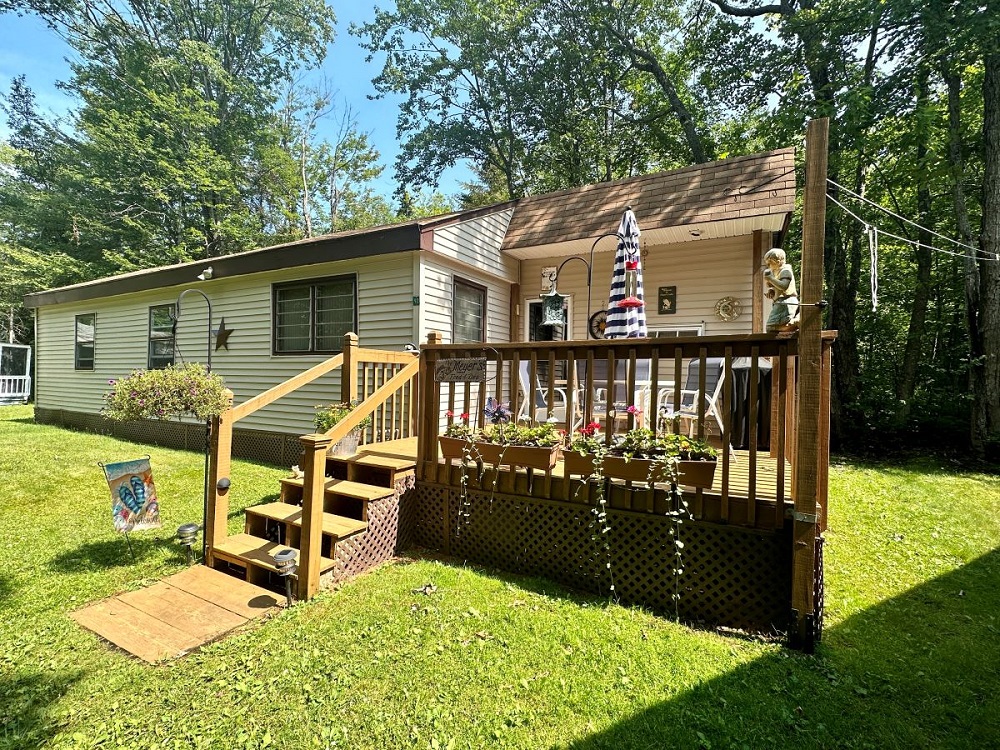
point(676, 332)
point(83, 357)
point(311, 317)
point(161, 337)
point(468, 312)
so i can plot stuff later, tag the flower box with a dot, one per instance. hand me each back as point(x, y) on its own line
point(528, 456)
point(691, 473)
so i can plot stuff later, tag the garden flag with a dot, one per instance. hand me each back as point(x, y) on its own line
point(133, 496)
point(626, 313)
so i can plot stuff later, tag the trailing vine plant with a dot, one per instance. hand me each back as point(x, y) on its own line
point(589, 441)
point(463, 430)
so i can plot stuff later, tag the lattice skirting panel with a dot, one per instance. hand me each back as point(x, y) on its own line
point(381, 541)
point(278, 448)
point(731, 576)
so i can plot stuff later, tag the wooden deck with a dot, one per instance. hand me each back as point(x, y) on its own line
point(725, 499)
point(178, 614)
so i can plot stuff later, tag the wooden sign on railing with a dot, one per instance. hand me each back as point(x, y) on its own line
point(466, 370)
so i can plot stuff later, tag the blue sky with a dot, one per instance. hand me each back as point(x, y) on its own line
point(28, 47)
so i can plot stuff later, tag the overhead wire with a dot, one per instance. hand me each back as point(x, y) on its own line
point(907, 240)
point(880, 207)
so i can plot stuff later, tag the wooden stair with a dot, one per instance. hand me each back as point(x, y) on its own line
point(352, 483)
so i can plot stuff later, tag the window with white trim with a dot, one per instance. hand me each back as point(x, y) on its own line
point(468, 312)
point(83, 348)
point(676, 332)
point(161, 337)
point(311, 317)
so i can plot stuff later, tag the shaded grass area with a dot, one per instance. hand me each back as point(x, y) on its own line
point(910, 657)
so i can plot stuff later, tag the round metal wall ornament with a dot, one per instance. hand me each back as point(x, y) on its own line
point(597, 323)
point(728, 309)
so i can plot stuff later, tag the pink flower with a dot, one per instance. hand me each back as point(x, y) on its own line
point(449, 414)
point(634, 410)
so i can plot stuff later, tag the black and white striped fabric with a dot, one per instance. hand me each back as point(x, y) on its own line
point(623, 323)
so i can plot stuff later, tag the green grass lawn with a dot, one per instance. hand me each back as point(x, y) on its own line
point(910, 656)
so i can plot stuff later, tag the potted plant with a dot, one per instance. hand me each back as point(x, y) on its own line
point(502, 442)
point(641, 455)
point(327, 416)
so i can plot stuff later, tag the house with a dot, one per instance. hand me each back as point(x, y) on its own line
point(474, 275)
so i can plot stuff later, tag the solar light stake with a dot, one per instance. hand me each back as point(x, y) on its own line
point(284, 561)
point(186, 535)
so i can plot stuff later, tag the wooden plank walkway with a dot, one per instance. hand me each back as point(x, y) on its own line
point(178, 614)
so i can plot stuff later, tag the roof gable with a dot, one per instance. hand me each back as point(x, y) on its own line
point(745, 186)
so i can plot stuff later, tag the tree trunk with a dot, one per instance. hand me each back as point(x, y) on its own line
point(989, 268)
point(922, 292)
point(976, 382)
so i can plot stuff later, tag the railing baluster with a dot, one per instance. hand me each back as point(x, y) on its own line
point(753, 426)
point(727, 432)
point(779, 490)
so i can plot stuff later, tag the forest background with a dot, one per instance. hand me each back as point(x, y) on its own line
point(192, 135)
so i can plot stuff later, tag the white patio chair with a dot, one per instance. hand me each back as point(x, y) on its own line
point(534, 400)
point(691, 397)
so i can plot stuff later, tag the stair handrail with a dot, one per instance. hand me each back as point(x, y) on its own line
point(367, 407)
point(271, 395)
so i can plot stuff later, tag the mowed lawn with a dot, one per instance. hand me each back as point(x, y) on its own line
point(910, 656)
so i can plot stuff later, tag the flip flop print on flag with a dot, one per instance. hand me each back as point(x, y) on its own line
point(133, 495)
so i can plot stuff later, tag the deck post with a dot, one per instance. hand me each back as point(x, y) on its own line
point(217, 512)
point(349, 371)
point(427, 413)
point(314, 449)
point(809, 434)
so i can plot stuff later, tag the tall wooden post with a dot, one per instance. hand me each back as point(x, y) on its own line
point(217, 513)
point(313, 490)
point(349, 371)
point(427, 416)
point(804, 525)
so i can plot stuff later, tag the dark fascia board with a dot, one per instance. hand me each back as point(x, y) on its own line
point(396, 239)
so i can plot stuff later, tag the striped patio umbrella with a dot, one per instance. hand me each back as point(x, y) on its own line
point(626, 310)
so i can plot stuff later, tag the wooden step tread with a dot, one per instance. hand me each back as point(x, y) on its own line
point(333, 525)
point(346, 488)
point(260, 552)
point(383, 461)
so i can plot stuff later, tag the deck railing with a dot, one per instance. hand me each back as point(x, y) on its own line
point(14, 388)
point(384, 385)
point(654, 372)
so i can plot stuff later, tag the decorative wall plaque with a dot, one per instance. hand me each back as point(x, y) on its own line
point(667, 298)
point(467, 370)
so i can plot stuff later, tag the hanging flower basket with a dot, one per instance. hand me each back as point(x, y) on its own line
point(502, 454)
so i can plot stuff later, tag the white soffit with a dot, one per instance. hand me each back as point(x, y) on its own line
point(708, 230)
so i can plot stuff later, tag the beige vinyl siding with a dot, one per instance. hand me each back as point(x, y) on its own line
point(437, 292)
point(703, 272)
point(385, 320)
point(476, 243)
point(437, 279)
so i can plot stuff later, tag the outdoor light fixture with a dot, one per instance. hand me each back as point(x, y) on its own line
point(553, 302)
point(284, 561)
point(186, 535)
point(206, 274)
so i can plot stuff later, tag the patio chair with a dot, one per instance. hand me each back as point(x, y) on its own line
point(691, 397)
point(534, 397)
point(620, 400)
